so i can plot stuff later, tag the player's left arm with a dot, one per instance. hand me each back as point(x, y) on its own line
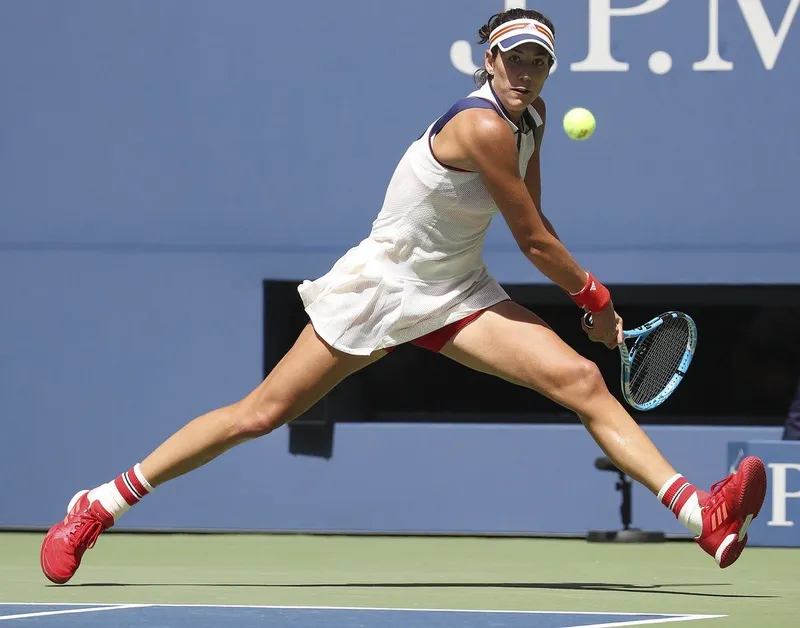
point(533, 175)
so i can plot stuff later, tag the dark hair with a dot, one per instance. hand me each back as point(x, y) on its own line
point(481, 75)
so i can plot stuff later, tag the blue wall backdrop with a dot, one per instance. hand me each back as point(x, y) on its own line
point(159, 160)
point(509, 479)
point(262, 126)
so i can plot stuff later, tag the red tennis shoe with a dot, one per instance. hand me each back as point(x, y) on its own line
point(67, 541)
point(729, 509)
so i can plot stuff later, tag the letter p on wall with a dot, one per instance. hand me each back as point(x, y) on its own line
point(599, 58)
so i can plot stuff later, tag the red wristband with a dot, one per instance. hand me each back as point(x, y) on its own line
point(594, 296)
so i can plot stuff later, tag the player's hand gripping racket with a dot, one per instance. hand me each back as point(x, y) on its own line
point(657, 361)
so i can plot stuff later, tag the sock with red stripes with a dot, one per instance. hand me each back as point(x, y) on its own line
point(681, 497)
point(122, 492)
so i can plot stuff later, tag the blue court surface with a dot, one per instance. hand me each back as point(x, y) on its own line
point(210, 616)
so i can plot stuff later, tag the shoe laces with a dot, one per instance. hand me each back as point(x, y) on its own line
point(84, 530)
point(718, 486)
point(715, 494)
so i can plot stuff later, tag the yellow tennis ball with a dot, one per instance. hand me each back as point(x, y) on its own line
point(579, 123)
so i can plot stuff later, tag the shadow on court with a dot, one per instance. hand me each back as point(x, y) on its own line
point(659, 589)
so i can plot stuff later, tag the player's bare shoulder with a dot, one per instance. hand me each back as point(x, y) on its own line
point(470, 136)
point(484, 131)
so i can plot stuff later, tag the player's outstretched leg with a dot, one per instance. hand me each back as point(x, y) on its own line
point(305, 374)
point(512, 343)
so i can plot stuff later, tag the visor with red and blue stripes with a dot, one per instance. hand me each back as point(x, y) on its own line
point(525, 31)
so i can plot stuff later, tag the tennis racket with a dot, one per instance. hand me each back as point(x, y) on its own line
point(658, 360)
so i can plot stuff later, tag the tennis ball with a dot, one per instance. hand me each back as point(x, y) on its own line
point(579, 123)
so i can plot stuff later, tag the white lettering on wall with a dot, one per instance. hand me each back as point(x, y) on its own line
point(779, 494)
point(768, 42)
point(713, 62)
point(599, 58)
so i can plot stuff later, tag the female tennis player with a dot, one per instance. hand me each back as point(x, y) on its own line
point(419, 277)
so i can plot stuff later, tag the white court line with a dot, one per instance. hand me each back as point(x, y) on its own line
point(67, 611)
point(648, 622)
point(663, 617)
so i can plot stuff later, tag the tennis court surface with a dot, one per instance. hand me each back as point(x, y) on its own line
point(287, 581)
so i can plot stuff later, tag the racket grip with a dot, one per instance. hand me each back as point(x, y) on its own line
point(588, 320)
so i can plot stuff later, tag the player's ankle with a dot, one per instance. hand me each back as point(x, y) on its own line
point(124, 491)
point(681, 497)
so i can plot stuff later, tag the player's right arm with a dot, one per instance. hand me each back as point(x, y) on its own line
point(490, 147)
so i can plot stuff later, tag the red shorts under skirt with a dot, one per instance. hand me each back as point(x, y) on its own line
point(437, 339)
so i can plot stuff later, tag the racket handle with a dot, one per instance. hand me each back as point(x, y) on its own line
point(588, 320)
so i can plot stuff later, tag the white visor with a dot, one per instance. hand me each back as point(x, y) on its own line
point(517, 32)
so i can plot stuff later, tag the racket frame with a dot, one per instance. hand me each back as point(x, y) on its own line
point(627, 356)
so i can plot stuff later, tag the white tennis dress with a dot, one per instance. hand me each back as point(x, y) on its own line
point(421, 267)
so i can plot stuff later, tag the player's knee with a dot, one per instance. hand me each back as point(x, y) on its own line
point(586, 382)
point(591, 378)
point(253, 421)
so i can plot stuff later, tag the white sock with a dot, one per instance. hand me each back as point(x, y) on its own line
point(691, 515)
point(680, 496)
point(124, 491)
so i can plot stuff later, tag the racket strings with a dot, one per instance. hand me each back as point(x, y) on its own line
point(657, 357)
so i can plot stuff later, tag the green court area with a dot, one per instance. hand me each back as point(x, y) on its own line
point(674, 578)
